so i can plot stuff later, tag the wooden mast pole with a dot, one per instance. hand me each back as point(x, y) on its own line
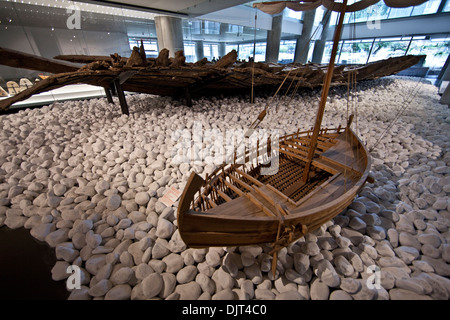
point(325, 89)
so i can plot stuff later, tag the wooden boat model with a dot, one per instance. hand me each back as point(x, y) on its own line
point(237, 205)
point(320, 172)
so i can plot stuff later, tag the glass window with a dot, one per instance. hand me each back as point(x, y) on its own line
point(246, 50)
point(327, 51)
point(229, 47)
point(436, 50)
point(355, 52)
point(319, 16)
point(287, 51)
point(150, 46)
point(310, 51)
point(386, 48)
point(211, 51)
point(377, 11)
point(189, 51)
point(400, 12)
point(429, 7)
point(212, 27)
point(195, 26)
point(380, 11)
point(232, 28)
point(293, 14)
point(447, 6)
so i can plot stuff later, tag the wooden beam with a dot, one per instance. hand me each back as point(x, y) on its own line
point(248, 195)
point(223, 195)
point(295, 150)
point(248, 177)
point(17, 59)
point(81, 58)
point(325, 89)
point(242, 183)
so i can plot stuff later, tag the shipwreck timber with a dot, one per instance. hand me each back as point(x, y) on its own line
point(175, 78)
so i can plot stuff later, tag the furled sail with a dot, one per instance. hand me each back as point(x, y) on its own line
point(275, 7)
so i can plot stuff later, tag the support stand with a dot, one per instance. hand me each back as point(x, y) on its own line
point(121, 95)
point(187, 95)
point(108, 95)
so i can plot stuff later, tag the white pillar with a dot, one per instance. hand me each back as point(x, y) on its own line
point(273, 39)
point(302, 45)
point(170, 34)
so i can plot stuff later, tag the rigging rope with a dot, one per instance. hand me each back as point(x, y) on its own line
point(324, 23)
point(328, 15)
point(407, 101)
point(254, 53)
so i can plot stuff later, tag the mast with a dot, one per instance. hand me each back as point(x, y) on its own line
point(323, 98)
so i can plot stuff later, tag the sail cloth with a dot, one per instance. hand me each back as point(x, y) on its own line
point(275, 7)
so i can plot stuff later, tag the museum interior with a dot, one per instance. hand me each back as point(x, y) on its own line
point(48, 28)
point(224, 150)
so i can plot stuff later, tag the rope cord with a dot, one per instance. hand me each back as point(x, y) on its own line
point(297, 86)
point(258, 121)
point(254, 53)
point(408, 99)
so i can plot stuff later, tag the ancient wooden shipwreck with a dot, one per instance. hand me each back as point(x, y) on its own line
point(174, 77)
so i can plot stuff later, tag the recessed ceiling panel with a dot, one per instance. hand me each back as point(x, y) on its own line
point(190, 7)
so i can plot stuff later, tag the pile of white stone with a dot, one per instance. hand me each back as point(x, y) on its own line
point(87, 180)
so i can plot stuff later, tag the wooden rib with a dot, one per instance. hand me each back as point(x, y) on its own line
point(295, 150)
point(211, 203)
point(222, 194)
point(324, 163)
point(195, 182)
point(249, 177)
point(271, 201)
point(17, 59)
point(242, 183)
point(299, 146)
point(296, 156)
point(320, 165)
point(232, 187)
point(326, 135)
point(261, 192)
point(324, 166)
point(323, 144)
